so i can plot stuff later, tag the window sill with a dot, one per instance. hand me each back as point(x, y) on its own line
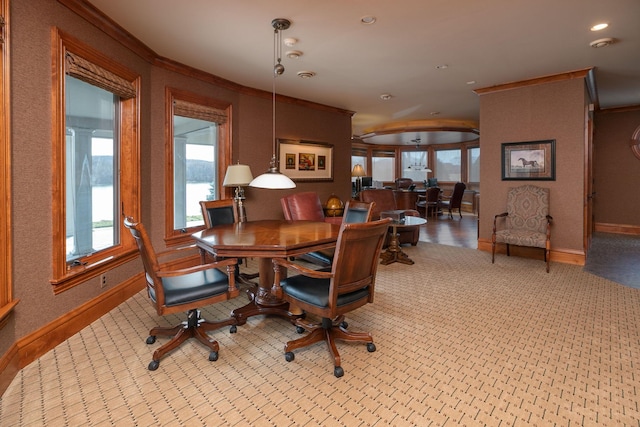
point(81, 274)
point(6, 310)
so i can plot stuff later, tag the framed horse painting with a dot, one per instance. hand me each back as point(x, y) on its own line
point(532, 160)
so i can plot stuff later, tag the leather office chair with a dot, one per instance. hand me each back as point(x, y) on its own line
point(330, 294)
point(225, 211)
point(354, 212)
point(403, 183)
point(185, 289)
point(526, 222)
point(306, 206)
point(430, 202)
point(455, 202)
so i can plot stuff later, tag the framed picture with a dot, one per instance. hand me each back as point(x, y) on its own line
point(530, 161)
point(291, 161)
point(314, 160)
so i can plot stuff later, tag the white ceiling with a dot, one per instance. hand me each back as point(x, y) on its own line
point(489, 42)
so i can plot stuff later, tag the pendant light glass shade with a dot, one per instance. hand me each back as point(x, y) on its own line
point(272, 178)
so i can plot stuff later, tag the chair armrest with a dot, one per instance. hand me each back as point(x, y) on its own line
point(281, 262)
point(411, 212)
point(495, 221)
point(228, 262)
point(174, 251)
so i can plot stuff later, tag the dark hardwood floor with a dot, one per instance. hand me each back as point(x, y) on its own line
point(453, 232)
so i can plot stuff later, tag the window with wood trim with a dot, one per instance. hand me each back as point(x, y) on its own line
point(7, 303)
point(198, 151)
point(95, 161)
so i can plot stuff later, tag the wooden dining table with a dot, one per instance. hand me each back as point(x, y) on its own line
point(265, 240)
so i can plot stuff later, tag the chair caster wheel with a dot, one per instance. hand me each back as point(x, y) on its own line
point(344, 325)
point(371, 347)
point(300, 329)
point(151, 339)
point(233, 329)
point(153, 365)
point(289, 356)
point(338, 371)
point(213, 356)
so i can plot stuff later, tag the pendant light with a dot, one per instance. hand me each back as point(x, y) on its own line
point(272, 178)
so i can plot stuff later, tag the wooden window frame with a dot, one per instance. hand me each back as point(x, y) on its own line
point(223, 119)
point(7, 303)
point(66, 274)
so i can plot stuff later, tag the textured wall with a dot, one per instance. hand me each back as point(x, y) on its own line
point(616, 169)
point(546, 111)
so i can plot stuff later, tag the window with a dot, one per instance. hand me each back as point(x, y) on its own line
point(95, 162)
point(199, 154)
point(383, 165)
point(414, 165)
point(473, 164)
point(448, 165)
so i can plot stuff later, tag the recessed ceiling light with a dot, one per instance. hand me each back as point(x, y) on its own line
point(306, 74)
point(442, 66)
point(599, 27)
point(471, 82)
point(293, 54)
point(385, 96)
point(368, 20)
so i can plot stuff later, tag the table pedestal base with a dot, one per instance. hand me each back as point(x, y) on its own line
point(263, 301)
point(394, 252)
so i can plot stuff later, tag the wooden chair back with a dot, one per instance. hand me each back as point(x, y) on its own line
point(356, 211)
point(216, 212)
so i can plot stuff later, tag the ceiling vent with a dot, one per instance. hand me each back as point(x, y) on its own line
point(602, 42)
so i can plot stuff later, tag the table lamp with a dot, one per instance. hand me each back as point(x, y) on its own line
point(358, 172)
point(238, 176)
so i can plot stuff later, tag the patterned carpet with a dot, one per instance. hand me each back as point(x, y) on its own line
point(615, 257)
point(460, 342)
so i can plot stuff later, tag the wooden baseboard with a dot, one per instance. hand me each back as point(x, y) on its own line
point(617, 228)
point(563, 256)
point(37, 343)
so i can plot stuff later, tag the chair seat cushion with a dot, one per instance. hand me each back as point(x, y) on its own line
point(193, 286)
point(315, 291)
point(522, 238)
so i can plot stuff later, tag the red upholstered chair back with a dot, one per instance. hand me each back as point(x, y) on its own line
point(302, 206)
point(383, 198)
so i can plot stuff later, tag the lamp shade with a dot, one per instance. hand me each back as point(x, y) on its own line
point(237, 175)
point(273, 180)
point(358, 170)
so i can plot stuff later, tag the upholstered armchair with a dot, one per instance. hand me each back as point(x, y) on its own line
point(385, 200)
point(526, 222)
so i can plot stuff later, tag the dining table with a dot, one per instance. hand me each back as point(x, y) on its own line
point(265, 240)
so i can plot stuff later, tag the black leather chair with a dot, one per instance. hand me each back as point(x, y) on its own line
point(354, 212)
point(225, 211)
point(455, 202)
point(185, 289)
point(330, 293)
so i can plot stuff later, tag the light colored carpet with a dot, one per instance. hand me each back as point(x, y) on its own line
point(460, 342)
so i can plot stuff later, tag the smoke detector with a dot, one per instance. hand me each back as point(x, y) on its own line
point(602, 42)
